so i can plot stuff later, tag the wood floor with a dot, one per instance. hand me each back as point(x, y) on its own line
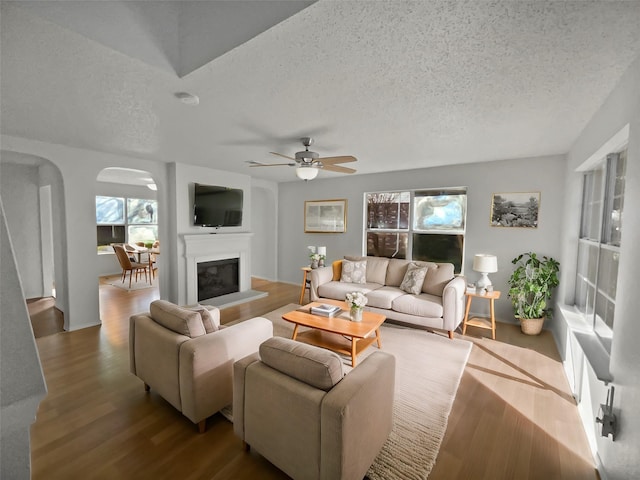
point(513, 417)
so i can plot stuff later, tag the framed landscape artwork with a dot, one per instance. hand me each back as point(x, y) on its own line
point(325, 216)
point(519, 209)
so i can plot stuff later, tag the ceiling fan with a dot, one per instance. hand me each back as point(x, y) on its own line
point(309, 163)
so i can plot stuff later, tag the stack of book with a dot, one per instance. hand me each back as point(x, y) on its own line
point(325, 310)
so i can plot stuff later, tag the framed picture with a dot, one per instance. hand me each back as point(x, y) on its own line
point(519, 209)
point(325, 216)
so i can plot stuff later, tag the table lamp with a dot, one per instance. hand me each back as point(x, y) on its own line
point(485, 264)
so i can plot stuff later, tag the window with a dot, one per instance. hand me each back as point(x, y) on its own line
point(599, 244)
point(121, 220)
point(426, 225)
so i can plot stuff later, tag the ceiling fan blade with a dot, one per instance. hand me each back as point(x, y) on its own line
point(256, 164)
point(281, 155)
point(338, 168)
point(334, 160)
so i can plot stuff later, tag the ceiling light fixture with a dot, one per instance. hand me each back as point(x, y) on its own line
point(187, 98)
point(306, 173)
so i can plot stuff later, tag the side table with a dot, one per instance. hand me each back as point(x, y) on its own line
point(481, 322)
point(305, 283)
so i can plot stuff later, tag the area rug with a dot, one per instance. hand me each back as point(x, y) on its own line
point(139, 285)
point(429, 367)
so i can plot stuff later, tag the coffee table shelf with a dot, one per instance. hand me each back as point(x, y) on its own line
point(336, 342)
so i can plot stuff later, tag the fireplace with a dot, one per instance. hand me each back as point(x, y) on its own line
point(218, 277)
point(214, 248)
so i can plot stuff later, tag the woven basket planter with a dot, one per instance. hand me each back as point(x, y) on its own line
point(531, 326)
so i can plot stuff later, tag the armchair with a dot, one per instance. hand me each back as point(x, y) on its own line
point(293, 404)
point(187, 357)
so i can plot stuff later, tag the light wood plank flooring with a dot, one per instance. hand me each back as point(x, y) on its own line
point(513, 417)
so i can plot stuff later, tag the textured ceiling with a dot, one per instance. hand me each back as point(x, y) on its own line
point(398, 84)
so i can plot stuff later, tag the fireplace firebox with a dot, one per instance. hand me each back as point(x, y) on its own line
point(216, 278)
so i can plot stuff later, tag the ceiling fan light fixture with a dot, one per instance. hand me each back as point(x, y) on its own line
point(306, 173)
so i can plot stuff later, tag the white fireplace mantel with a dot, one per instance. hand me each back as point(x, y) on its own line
point(212, 247)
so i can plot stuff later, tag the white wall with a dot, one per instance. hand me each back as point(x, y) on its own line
point(182, 177)
point(79, 169)
point(21, 379)
point(620, 458)
point(543, 175)
point(19, 187)
point(264, 219)
point(50, 176)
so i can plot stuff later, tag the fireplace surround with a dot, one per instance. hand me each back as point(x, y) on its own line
point(214, 248)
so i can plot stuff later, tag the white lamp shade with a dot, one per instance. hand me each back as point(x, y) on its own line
point(307, 173)
point(485, 263)
point(322, 251)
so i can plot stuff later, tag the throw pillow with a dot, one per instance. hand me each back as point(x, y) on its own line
point(208, 320)
point(413, 279)
point(354, 272)
point(178, 319)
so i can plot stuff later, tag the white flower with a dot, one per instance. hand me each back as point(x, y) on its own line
point(356, 299)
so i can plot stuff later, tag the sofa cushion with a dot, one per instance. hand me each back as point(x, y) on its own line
point(339, 290)
point(423, 305)
point(413, 279)
point(210, 320)
point(395, 271)
point(354, 272)
point(337, 270)
point(383, 297)
point(315, 366)
point(438, 275)
point(177, 319)
point(377, 269)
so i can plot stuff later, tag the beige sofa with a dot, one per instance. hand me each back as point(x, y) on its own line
point(293, 404)
point(187, 357)
point(438, 304)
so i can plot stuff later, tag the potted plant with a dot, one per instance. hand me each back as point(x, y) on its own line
point(530, 288)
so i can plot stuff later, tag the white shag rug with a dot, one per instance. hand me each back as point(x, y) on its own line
point(429, 367)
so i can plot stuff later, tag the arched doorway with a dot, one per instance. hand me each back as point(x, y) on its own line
point(126, 213)
point(32, 193)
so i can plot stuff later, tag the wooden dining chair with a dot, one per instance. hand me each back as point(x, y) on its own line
point(128, 265)
point(152, 258)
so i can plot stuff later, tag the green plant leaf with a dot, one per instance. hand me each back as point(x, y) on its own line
point(532, 283)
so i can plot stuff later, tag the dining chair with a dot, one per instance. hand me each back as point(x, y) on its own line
point(129, 266)
point(152, 257)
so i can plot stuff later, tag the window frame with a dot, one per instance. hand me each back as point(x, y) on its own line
point(589, 292)
point(412, 230)
point(126, 223)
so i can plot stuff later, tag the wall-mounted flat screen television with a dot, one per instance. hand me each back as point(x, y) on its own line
point(217, 206)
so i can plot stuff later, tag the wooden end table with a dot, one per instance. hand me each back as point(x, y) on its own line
point(489, 324)
point(338, 333)
point(305, 283)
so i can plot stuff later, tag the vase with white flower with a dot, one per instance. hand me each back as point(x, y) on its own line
point(356, 302)
point(315, 258)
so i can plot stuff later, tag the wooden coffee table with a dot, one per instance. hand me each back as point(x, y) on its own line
point(338, 333)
